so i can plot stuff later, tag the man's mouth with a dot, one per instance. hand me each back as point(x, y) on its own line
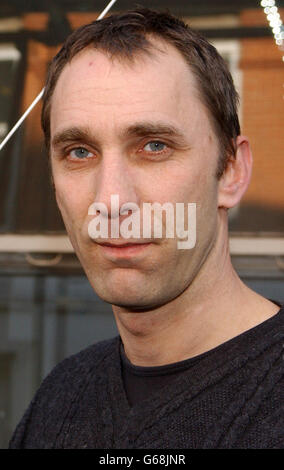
point(122, 243)
point(119, 249)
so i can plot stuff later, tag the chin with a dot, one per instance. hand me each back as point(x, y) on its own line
point(122, 294)
point(133, 289)
point(133, 298)
point(124, 298)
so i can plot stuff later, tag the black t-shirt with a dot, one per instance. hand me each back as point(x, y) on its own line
point(140, 382)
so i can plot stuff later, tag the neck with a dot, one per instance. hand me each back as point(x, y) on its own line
point(216, 307)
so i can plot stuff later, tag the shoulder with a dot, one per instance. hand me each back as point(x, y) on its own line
point(262, 413)
point(62, 388)
point(265, 339)
point(85, 360)
point(262, 349)
point(76, 368)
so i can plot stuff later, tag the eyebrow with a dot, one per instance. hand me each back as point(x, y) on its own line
point(155, 128)
point(142, 129)
point(72, 134)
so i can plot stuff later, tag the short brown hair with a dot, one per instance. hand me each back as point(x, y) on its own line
point(125, 35)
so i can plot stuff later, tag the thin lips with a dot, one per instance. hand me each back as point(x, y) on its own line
point(122, 244)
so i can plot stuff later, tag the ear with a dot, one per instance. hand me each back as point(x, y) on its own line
point(236, 177)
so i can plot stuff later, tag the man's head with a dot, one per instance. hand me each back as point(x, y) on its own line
point(128, 35)
point(127, 114)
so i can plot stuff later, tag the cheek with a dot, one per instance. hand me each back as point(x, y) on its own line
point(190, 184)
point(199, 185)
point(73, 201)
point(171, 182)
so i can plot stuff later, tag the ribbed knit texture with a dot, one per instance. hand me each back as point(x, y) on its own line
point(231, 398)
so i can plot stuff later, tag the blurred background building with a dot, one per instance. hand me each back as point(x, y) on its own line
point(47, 307)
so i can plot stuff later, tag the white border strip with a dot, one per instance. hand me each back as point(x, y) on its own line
point(35, 244)
point(257, 246)
point(61, 244)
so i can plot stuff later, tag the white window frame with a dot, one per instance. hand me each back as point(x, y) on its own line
point(9, 52)
point(231, 49)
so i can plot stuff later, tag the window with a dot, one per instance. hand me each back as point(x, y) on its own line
point(9, 63)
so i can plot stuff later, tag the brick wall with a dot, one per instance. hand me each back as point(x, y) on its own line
point(263, 113)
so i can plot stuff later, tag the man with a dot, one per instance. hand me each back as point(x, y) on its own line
point(140, 106)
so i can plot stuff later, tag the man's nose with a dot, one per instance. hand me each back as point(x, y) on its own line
point(115, 178)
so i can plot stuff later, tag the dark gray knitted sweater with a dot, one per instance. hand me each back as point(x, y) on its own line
point(232, 397)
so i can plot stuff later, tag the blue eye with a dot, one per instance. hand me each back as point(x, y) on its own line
point(155, 146)
point(81, 153)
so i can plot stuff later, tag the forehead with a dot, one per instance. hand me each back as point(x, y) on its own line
point(94, 87)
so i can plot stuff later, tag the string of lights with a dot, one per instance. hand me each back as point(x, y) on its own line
point(275, 22)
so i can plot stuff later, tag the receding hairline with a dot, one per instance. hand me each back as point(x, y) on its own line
point(153, 47)
point(150, 51)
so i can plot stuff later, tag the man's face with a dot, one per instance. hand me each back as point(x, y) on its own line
point(138, 131)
